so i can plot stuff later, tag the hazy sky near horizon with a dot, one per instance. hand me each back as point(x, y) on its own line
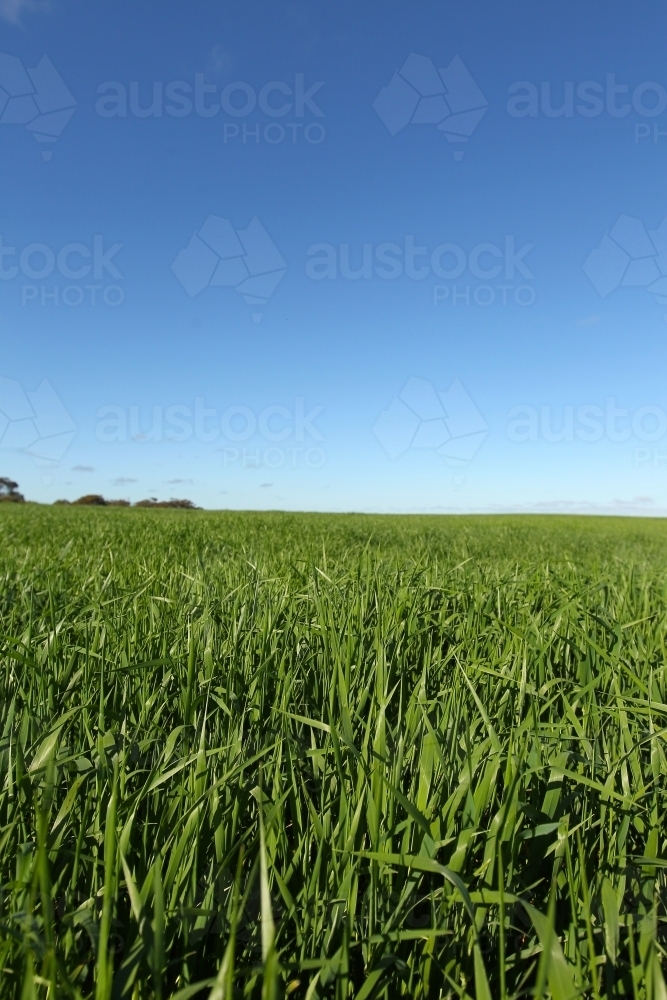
point(331, 256)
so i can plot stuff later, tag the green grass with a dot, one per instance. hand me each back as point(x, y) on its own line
point(263, 755)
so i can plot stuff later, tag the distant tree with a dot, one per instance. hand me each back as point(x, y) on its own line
point(152, 502)
point(91, 500)
point(96, 500)
point(9, 491)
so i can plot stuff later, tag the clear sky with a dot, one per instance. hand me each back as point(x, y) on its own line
point(335, 256)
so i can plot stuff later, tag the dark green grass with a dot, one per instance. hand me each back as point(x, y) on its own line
point(331, 756)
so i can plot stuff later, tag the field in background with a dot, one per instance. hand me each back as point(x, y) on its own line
point(331, 756)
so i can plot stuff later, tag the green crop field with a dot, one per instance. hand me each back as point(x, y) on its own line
point(269, 755)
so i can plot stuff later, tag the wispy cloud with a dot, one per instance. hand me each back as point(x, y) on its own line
point(220, 61)
point(12, 10)
point(82, 468)
point(635, 502)
point(122, 481)
point(174, 482)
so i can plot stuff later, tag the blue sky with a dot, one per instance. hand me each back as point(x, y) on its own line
point(249, 276)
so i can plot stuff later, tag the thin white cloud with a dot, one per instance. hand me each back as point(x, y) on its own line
point(12, 10)
point(220, 62)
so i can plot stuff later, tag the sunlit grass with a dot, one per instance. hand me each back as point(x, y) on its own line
point(268, 755)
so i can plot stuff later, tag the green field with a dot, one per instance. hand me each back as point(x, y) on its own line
point(261, 755)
